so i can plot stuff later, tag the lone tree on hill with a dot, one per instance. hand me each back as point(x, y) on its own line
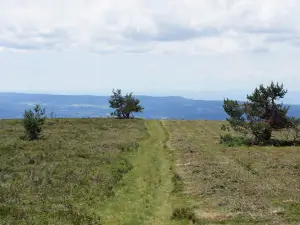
point(261, 114)
point(33, 122)
point(124, 105)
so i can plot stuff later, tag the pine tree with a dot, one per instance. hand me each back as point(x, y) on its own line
point(124, 106)
point(261, 114)
point(33, 122)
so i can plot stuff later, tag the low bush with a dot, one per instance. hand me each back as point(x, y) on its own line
point(233, 141)
point(177, 183)
point(184, 213)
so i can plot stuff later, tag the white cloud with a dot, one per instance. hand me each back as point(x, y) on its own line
point(134, 26)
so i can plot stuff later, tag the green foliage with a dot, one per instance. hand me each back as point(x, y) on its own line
point(262, 107)
point(120, 168)
point(233, 141)
point(33, 122)
point(261, 114)
point(177, 183)
point(293, 129)
point(233, 109)
point(184, 213)
point(128, 146)
point(124, 106)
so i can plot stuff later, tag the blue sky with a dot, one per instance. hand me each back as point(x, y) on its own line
point(195, 48)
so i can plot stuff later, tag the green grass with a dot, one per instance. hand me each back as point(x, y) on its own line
point(62, 178)
point(144, 195)
point(132, 172)
point(235, 185)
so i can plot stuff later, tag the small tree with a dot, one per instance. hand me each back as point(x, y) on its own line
point(261, 114)
point(124, 106)
point(33, 122)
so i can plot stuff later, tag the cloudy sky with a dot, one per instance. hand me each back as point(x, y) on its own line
point(148, 46)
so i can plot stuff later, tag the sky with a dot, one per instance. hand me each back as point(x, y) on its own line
point(194, 48)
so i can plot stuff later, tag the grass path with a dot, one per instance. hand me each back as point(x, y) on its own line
point(144, 194)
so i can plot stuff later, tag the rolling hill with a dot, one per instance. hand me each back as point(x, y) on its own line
point(12, 105)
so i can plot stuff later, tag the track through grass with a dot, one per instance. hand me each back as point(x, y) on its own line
point(134, 172)
point(144, 195)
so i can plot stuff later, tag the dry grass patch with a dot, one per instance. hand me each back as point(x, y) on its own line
point(235, 184)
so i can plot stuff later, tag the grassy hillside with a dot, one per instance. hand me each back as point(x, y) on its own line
point(63, 178)
point(100, 171)
point(243, 185)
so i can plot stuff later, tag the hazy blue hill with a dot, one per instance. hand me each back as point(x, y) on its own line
point(12, 105)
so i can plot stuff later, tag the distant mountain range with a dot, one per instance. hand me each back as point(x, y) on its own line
point(12, 105)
